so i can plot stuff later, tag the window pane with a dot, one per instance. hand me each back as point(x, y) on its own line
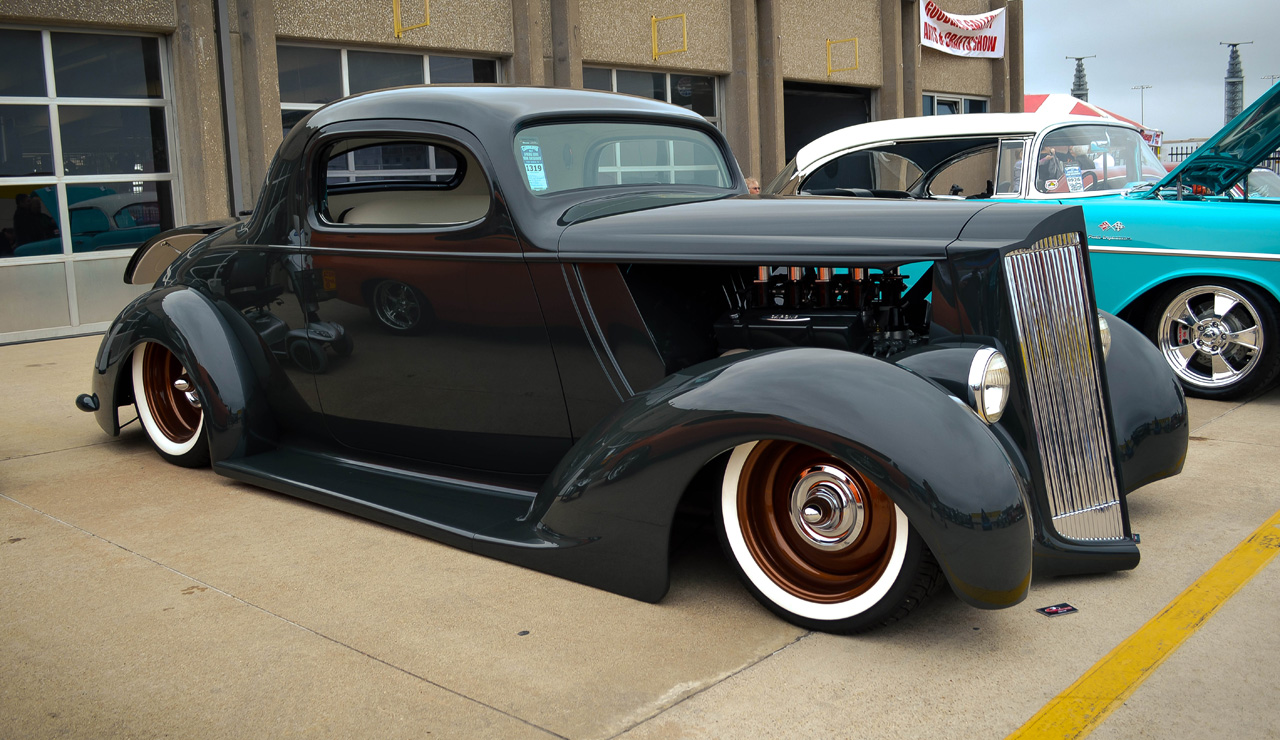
point(290, 118)
point(695, 93)
point(948, 107)
point(98, 140)
point(645, 84)
point(117, 215)
point(90, 66)
point(927, 102)
point(975, 106)
point(1009, 173)
point(309, 75)
point(28, 223)
point(25, 144)
point(23, 70)
point(595, 78)
point(369, 70)
point(452, 70)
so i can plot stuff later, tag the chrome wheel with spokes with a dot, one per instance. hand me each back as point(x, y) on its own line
point(819, 543)
point(169, 406)
point(1217, 338)
point(398, 306)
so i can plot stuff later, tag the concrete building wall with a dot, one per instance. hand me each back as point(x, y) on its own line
point(807, 26)
point(621, 34)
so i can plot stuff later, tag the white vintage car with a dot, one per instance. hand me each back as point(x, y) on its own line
point(1178, 254)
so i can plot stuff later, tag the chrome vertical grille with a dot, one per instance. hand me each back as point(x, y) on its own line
point(1056, 334)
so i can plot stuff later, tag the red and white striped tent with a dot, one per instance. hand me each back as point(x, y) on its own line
point(1065, 105)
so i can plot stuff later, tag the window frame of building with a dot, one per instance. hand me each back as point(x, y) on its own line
point(346, 68)
point(61, 181)
point(965, 104)
point(716, 120)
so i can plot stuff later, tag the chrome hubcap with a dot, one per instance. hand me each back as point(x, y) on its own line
point(1211, 336)
point(827, 508)
point(183, 386)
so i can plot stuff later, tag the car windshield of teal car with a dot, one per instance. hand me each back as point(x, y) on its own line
point(1094, 159)
point(559, 157)
point(1229, 155)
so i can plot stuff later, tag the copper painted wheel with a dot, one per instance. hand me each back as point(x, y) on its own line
point(168, 406)
point(815, 540)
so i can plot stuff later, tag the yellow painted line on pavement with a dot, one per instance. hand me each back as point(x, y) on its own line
point(1111, 681)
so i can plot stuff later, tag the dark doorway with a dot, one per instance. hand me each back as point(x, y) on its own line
point(809, 111)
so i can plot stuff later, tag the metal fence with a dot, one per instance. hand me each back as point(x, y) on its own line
point(1178, 152)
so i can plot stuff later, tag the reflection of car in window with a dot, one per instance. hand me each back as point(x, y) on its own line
point(571, 324)
point(1179, 254)
point(116, 221)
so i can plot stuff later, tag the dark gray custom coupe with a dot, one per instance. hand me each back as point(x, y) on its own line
point(536, 323)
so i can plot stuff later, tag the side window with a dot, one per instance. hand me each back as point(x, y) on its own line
point(970, 176)
point(864, 170)
point(1009, 168)
point(401, 182)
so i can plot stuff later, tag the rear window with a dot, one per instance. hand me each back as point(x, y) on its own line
point(571, 156)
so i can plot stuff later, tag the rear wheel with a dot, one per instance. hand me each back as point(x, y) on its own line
point(818, 543)
point(1219, 338)
point(168, 406)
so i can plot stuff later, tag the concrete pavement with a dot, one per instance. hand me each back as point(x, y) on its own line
point(141, 599)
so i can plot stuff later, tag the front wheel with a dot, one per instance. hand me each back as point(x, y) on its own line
point(168, 406)
point(818, 543)
point(1219, 338)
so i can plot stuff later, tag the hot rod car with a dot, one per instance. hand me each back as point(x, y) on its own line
point(594, 325)
point(1173, 252)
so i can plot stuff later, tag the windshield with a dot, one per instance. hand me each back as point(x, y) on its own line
point(569, 156)
point(1094, 159)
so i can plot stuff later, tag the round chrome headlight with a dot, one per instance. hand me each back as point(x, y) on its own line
point(989, 384)
point(1104, 333)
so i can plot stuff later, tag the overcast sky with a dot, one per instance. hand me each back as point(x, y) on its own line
point(1171, 45)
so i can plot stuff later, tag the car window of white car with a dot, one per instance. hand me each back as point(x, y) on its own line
point(1009, 167)
point(970, 176)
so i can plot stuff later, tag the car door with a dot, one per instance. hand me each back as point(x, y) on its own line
point(422, 306)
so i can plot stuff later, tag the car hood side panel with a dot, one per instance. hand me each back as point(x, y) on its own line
point(753, 230)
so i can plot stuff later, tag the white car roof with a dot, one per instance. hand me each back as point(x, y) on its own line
point(935, 127)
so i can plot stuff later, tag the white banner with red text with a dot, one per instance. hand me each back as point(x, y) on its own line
point(963, 35)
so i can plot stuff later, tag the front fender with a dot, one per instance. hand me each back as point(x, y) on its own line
point(618, 488)
point(226, 363)
point(1148, 408)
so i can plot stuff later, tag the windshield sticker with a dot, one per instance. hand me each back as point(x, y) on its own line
point(1075, 183)
point(531, 153)
point(1050, 185)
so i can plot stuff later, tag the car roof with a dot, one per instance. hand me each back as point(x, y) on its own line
point(931, 127)
point(465, 103)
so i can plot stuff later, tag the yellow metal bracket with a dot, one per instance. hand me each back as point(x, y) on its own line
point(684, 31)
point(830, 43)
point(400, 27)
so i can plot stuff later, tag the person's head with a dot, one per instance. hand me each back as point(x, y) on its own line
point(753, 186)
point(20, 200)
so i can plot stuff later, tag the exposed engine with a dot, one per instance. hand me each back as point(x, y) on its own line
point(864, 310)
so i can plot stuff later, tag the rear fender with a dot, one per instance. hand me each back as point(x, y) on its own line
point(228, 365)
point(617, 489)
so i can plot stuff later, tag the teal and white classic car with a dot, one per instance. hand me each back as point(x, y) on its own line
point(1200, 274)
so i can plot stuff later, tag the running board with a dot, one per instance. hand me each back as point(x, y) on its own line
point(444, 509)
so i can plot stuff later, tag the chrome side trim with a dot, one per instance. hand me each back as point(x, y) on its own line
point(1057, 340)
point(1211, 254)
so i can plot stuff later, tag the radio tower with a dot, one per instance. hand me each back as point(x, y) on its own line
point(1234, 93)
point(1079, 85)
